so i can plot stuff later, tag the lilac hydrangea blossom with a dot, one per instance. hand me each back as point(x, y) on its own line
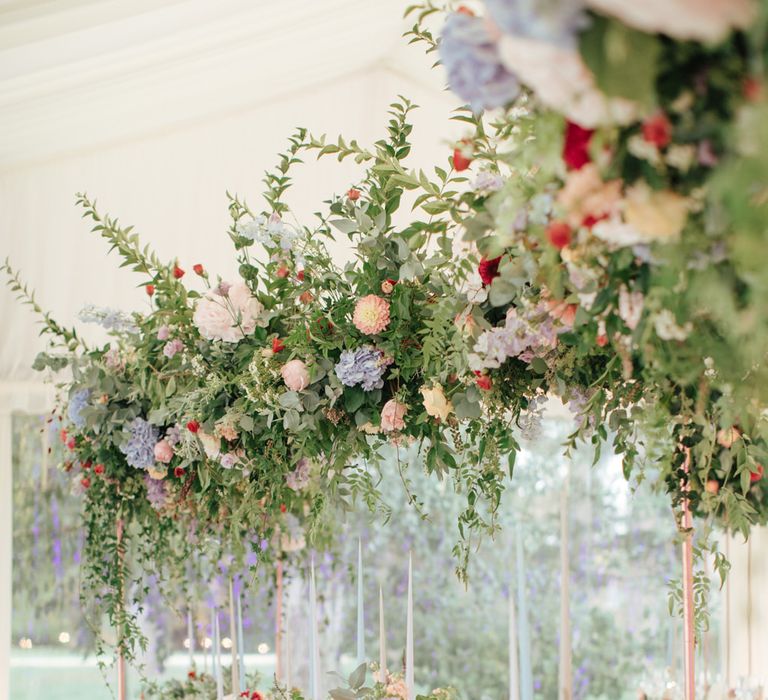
point(554, 21)
point(156, 491)
point(110, 319)
point(139, 450)
point(298, 479)
point(475, 72)
point(364, 366)
point(77, 402)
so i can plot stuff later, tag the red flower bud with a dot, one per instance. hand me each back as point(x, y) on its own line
point(576, 145)
point(178, 472)
point(283, 508)
point(178, 273)
point(198, 269)
point(483, 381)
point(460, 161)
point(353, 195)
point(277, 345)
point(752, 89)
point(712, 486)
point(488, 269)
point(150, 289)
point(63, 435)
point(98, 469)
point(658, 130)
point(300, 275)
point(87, 464)
point(602, 340)
point(193, 426)
point(86, 482)
point(191, 674)
point(306, 297)
point(559, 234)
point(282, 272)
point(71, 443)
point(757, 474)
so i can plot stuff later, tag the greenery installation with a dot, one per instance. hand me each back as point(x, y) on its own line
point(597, 236)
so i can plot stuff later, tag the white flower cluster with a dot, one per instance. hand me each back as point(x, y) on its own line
point(271, 232)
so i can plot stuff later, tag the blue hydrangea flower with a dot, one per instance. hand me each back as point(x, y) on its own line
point(139, 450)
point(77, 402)
point(364, 366)
point(555, 21)
point(471, 58)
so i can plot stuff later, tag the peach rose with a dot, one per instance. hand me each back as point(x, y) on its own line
point(392, 415)
point(295, 375)
point(163, 452)
point(435, 402)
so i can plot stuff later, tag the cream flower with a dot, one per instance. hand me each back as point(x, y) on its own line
point(667, 328)
point(211, 444)
point(701, 20)
point(586, 195)
point(562, 81)
point(229, 318)
point(435, 402)
point(371, 314)
point(392, 415)
point(630, 307)
point(656, 215)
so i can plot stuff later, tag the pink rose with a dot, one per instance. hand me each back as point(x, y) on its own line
point(295, 375)
point(163, 452)
point(163, 333)
point(392, 415)
point(228, 318)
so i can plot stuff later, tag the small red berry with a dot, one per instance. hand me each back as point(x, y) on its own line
point(658, 130)
point(277, 345)
point(460, 161)
point(283, 508)
point(150, 289)
point(86, 482)
point(98, 469)
point(178, 472)
point(198, 269)
point(353, 195)
point(559, 234)
point(178, 273)
point(193, 426)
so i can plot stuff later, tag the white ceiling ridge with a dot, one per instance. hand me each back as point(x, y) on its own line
point(192, 46)
point(22, 164)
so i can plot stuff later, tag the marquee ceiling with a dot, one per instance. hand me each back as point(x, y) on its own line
point(76, 74)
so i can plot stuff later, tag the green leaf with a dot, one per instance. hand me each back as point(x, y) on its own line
point(624, 61)
point(357, 677)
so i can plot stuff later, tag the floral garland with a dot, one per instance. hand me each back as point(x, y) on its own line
point(610, 255)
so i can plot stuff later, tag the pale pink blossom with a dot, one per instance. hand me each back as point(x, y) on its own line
point(163, 452)
point(295, 375)
point(699, 20)
point(392, 415)
point(229, 318)
point(630, 307)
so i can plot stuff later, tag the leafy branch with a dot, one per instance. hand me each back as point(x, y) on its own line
point(27, 296)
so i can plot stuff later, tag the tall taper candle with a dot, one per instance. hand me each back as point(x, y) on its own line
point(523, 636)
point(360, 609)
point(382, 640)
point(565, 681)
point(241, 642)
point(217, 644)
point(314, 646)
point(233, 636)
point(514, 674)
point(191, 637)
point(409, 685)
